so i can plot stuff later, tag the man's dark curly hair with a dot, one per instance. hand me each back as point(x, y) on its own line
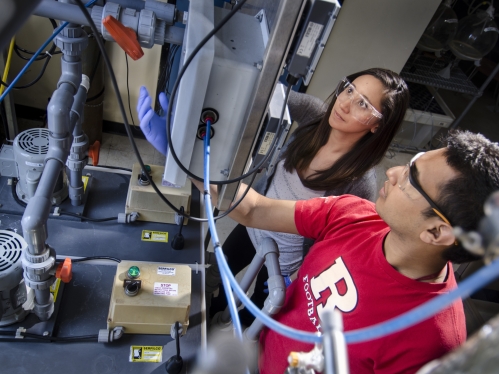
point(462, 199)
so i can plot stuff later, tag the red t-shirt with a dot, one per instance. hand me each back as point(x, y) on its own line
point(346, 269)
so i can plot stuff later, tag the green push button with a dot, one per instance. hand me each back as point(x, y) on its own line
point(133, 272)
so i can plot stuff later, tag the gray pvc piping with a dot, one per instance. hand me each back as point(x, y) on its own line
point(42, 297)
point(37, 211)
point(250, 275)
point(61, 11)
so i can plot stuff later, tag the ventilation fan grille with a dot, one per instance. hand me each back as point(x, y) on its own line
point(34, 141)
point(11, 246)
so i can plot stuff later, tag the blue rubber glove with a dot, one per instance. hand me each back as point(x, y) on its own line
point(152, 125)
point(287, 282)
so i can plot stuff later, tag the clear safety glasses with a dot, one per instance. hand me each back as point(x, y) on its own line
point(360, 108)
point(409, 184)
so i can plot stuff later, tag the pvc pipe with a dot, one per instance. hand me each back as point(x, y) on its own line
point(44, 45)
point(61, 11)
point(37, 211)
point(248, 278)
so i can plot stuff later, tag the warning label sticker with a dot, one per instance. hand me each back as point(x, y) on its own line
point(309, 40)
point(154, 236)
point(267, 141)
point(165, 289)
point(163, 270)
point(84, 179)
point(146, 353)
point(54, 288)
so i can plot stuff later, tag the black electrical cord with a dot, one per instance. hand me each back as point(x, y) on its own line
point(127, 125)
point(112, 167)
point(62, 212)
point(128, 93)
point(101, 92)
point(73, 260)
point(122, 109)
point(40, 75)
point(171, 60)
point(83, 218)
point(66, 339)
point(228, 181)
point(174, 91)
point(51, 51)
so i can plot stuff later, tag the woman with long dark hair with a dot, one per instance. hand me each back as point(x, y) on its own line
point(333, 152)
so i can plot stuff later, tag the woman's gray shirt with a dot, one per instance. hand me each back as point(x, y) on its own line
point(306, 109)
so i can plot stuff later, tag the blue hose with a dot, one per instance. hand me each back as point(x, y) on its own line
point(214, 235)
point(467, 287)
point(32, 59)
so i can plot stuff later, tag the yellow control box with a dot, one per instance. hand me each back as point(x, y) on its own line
point(163, 297)
point(144, 200)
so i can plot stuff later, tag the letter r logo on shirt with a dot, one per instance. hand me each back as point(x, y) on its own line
point(339, 282)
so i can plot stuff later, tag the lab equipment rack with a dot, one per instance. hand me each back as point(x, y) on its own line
point(85, 299)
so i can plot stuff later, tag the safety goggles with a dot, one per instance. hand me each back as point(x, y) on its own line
point(409, 184)
point(360, 108)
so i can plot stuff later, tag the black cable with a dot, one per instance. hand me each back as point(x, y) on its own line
point(168, 127)
point(112, 167)
point(128, 93)
point(170, 68)
point(62, 212)
point(51, 51)
point(96, 96)
point(67, 339)
point(14, 194)
point(83, 218)
point(177, 338)
point(73, 260)
point(123, 114)
point(174, 91)
point(42, 71)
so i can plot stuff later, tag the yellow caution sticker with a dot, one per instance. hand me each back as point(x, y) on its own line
point(154, 236)
point(54, 289)
point(146, 353)
point(84, 179)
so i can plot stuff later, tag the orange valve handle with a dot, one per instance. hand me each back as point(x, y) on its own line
point(64, 271)
point(93, 152)
point(124, 36)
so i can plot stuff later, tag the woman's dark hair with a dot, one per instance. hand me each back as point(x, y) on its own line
point(462, 198)
point(366, 153)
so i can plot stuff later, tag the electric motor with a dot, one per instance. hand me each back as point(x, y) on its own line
point(13, 291)
point(30, 149)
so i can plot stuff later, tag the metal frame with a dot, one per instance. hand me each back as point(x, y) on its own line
point(281, 34)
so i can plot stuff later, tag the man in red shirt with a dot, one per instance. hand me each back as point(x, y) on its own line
point(375, 262)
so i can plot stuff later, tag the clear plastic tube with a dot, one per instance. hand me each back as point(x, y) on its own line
point(476, 281)
point(214, 235)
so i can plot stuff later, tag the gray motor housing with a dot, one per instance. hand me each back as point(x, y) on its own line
point(13, 291)
point(30, 149)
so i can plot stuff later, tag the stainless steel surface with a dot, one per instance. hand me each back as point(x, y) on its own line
point(282, 30)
